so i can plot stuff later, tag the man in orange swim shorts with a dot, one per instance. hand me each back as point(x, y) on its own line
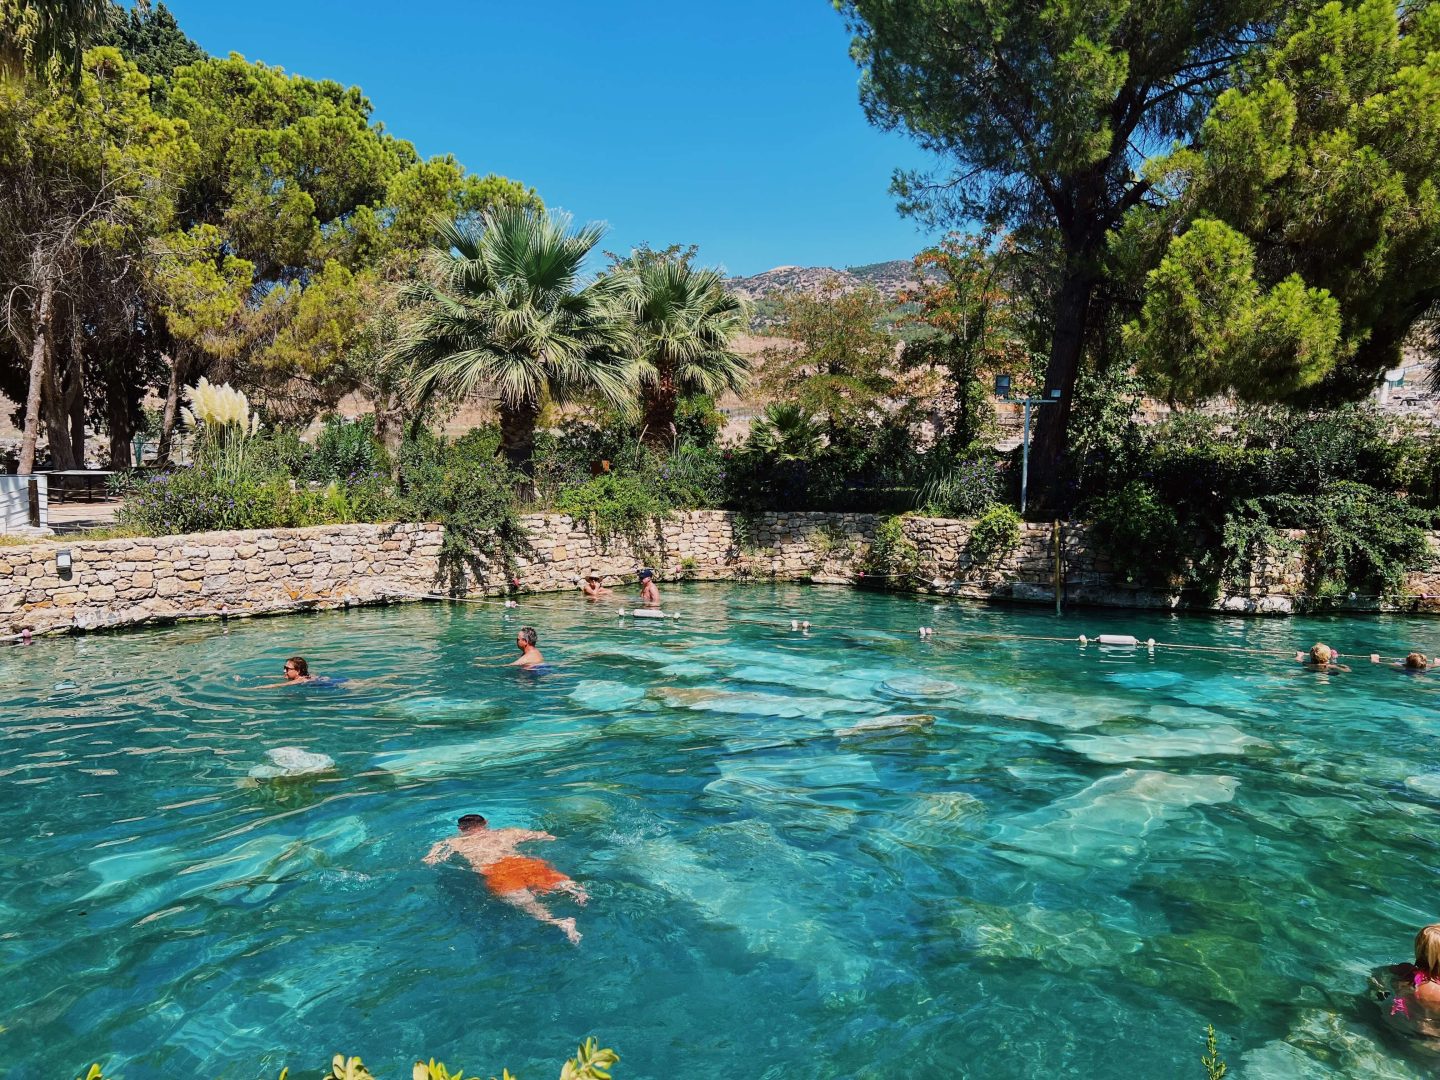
point(514, 878)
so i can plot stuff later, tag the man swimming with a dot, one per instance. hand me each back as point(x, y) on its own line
point(649, 594)
point(297, 671)
point(514, 878)
point(529, 655)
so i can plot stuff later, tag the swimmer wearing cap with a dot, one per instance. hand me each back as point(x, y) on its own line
point(591, 587)
point(649, 594)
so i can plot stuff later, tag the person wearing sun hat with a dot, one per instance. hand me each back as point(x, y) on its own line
point(592, 588)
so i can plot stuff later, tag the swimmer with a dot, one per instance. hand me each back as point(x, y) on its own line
point(1414, 663)
point(591, 587)
point(1414, 989)
point(1322, 658)
point(513, 878)
point(649, 594)
point(529, 655)
point(297, 671)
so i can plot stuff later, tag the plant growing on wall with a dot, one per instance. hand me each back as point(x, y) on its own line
point(995, 535)
point(892, 557)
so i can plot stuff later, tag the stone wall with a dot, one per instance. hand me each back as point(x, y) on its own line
point(113, 583)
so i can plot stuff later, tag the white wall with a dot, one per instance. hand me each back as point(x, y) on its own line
point(15, 502)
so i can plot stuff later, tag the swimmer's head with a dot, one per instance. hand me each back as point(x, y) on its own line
point(296, 668)
point(526, 636)
point(1427, 950)
point(1321, 653)
point(646, 573)
point(472, 823)
point(1416, 661)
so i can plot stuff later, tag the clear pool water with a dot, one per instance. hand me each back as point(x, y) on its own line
point(1082, 861)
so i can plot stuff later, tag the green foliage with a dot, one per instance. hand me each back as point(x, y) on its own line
point(45, 38)
point(1302, 219)
point(996, 534)
point(785, 432)
point(1215, 1067)
point(347, 451)
point(464, 487)
point(613, 505)
point(1105, 438)
point(959, 489)
point(1139, 531)
point(892, 555)
point(151, 39)
point(682, 323)
point(698, 421)
point(508, 307)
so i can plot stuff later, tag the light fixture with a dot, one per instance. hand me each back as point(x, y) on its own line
point(1053, 393)
point(62, 561)
point(1002, 386)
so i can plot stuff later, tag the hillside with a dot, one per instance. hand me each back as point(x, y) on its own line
point(888, 277)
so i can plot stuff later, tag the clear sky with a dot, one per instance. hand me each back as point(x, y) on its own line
point(732, 125)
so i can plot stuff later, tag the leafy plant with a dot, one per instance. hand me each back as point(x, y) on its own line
point(994, 535)
point(347, 450)
point(892, 554)
point(958, 488)
point(1215, 1067)
point(464, 487)
point(1140, 532)
point(611, 506)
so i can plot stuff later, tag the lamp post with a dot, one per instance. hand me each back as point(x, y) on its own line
point(1002, 391)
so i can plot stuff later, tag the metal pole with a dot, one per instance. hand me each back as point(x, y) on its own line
point(1025, 459)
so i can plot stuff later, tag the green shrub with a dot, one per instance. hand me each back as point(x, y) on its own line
point(959, 489)
point(465, 488)
point(996, 534)
point(347, 451)
point(892, 555)
point(611, 506)
point(1140, 532)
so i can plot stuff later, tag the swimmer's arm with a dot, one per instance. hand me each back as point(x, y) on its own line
point(441, 850)
point(529, 835)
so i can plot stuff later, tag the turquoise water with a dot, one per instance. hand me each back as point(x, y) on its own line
point(1086, 857)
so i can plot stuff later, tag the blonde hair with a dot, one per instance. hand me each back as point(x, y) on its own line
point(1427, 950)
point(1321, 653)
point(1416, 660)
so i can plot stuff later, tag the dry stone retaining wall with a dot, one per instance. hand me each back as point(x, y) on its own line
point(126, 582)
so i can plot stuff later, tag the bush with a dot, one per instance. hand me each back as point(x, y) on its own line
point(347, 451)
point(611, 506)
point(961, 489)
point(1141, 533)
point(892, 555)
point(465, 488)
point(994, 535)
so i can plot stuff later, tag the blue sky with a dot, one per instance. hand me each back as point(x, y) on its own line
point(732, 125)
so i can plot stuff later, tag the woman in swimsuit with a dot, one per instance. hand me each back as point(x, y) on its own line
point(1413, 990)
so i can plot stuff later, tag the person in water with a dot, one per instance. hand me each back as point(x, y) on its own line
point(297, 671)
point(516, 879)
point(1414, 663)
point(529, 655)
point(1413, 990)
point(649, 594)
point(591, 587)
point(1322, 658)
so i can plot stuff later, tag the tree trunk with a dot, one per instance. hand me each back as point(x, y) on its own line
point(75, 398)
point(517, 433)
point(661, 398)
point(118, 419)
point(172, 404)
point(56, 409)
point(39, 355)
point(389, 432)
point(1067, 348)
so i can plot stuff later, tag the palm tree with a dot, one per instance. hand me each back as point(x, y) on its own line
point(684, 321)
point(507, 306)
point(786, 432)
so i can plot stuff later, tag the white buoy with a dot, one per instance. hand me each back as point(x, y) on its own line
point(646, 613)
point(794, 624)
point(1118, 639)
point(1083, 640)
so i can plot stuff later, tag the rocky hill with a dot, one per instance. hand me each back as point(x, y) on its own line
point(888, 277)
